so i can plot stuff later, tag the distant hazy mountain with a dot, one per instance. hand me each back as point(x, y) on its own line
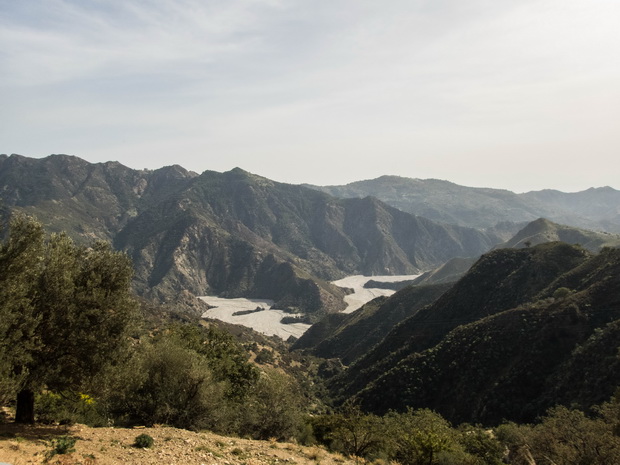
point(537, 232)
point(543, 230)
point(596, 208)
point(231, 234)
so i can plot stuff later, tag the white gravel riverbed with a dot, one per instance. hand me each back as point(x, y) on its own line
point(268, 321)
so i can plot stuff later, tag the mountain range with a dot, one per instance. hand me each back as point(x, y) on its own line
point(230, 234)
point(237, 234)
point(513, 313)
point(483, 208)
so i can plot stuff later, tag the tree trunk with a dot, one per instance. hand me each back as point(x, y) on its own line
point(24, 411)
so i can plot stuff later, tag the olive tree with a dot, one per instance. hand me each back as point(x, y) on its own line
point(65, 308)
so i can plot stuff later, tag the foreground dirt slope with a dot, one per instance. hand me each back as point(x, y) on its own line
point(20, 445)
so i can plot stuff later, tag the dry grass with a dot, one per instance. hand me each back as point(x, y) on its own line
point(26, 445)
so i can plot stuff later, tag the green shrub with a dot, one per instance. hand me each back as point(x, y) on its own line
point(61, 445)
point(420, 436)
point(561, 293)
point(166, 383)
point(264, 356)
point(273, 410)
point(143, 441)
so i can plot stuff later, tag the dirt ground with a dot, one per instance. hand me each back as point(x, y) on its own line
point(21, 445)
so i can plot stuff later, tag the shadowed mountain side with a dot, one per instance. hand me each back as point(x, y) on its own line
point(601, 204)
point(515, 364)
point(349, 336)
point(449, 272)
point(500, 280)
point(588, 377)
point(596, 208)
point(543, 230)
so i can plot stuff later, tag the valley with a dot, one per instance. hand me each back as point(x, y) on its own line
point(362, 294)
point(245, 312)
point(268, 321)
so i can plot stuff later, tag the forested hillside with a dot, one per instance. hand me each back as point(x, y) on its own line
point(523, 330)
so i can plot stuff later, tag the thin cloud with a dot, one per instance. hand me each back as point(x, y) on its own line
point(316, 91)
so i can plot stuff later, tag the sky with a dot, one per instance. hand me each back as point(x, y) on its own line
point(514, 94)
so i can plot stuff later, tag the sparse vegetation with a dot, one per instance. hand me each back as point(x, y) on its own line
point(61, 445)
point(143, 441)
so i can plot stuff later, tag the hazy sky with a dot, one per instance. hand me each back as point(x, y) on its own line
point(517, 94)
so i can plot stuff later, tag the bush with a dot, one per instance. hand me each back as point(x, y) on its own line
point(143, 441)
point(561, 293)
point(357, 434)
point(61, 445)
point(273, 410)
point(264, 356)
point(168, 384)
point(420, 437)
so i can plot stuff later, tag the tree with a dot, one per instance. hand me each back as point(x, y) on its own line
point(67, 310)
point(20, 259)
point(273, 409)
point(419, 436)
point(165, 382)
point(570, 436)
point(356, 433)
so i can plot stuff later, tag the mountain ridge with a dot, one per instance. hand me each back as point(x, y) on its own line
point(232, 233)
point(509, 340)
point(482, 207)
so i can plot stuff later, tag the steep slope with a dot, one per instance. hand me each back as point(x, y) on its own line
point(348, 336)
point(450, 271)
point(87, 200)
point(481, 208)
point(240, 234)
point(536, 232)
point(591, 373)
point(517, 363)
point(500, 280)
point(338, 338)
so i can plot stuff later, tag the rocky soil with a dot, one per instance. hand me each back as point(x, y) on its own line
point(21, 445)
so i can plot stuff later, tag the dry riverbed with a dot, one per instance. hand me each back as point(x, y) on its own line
point(268, 321)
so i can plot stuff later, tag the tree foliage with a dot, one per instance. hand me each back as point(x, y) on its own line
point(419, 436)
point(164, 383)
point(65, 310)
